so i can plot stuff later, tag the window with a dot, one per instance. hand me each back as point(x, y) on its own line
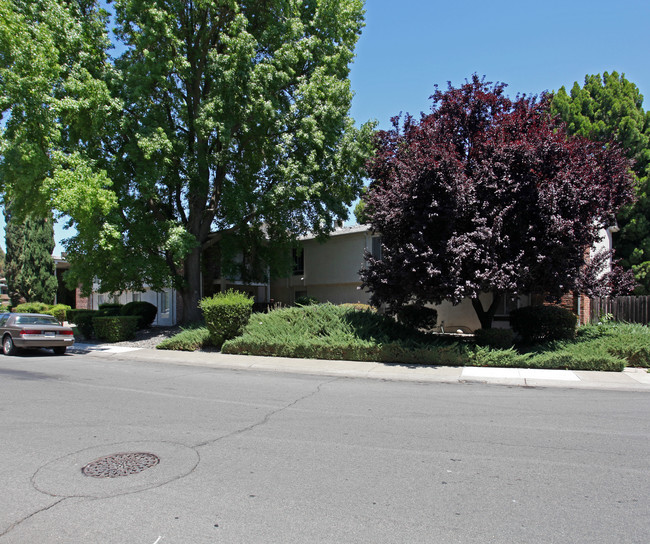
point(298, 255)
point(35, 320)
point(376, 247)
point(508, 303)
point(164, 303)
point(136, 297)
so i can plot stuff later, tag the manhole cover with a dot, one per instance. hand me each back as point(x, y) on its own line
point(120, 464)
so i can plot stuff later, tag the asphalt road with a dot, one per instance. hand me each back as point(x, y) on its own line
point(248, 457)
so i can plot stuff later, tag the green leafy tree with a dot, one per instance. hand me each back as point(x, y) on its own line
point(30, 270)
point(360, 209)
point(54, 104)
point(610, 108)
point(222, 122)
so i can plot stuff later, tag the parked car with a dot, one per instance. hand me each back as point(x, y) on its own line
point(33, 331)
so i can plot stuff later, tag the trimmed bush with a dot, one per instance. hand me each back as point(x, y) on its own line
point(116, 328)
point(144, 310)
point(226, 315)
point(32, 308)
point(189, 339)
point(83, 319)
point(543, 323)
point(59, 311)
point(494, 338)
point(418, 317)
point(306, 301)
point(109, 308)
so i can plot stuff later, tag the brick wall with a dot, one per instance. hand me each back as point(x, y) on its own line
point(82, 303)
point(578, 304)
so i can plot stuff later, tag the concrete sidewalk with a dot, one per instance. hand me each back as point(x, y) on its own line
point(632, 379)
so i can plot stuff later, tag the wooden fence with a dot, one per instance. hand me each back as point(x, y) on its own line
point(628, 309)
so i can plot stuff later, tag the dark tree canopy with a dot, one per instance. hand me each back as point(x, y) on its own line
point(486, 194)
point(611, 108)
point(29, 266)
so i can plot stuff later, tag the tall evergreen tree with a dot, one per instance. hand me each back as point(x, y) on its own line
point(30, 269)
point(610, 108)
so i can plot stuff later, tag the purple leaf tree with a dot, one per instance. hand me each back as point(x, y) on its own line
point(486, 194)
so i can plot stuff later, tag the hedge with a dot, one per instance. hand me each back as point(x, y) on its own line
point(110, 308)
point(145, 311)
point(83, 319)
point(543, 323)
point(115, 328)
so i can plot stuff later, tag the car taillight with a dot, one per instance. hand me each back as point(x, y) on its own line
point(67, 333)
point(29, 332)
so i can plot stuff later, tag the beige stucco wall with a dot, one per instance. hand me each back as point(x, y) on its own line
point(331, 270)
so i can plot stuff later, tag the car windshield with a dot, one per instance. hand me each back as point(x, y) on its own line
point(36, 320)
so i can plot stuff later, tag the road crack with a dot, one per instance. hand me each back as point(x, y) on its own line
point(44, 509)
point(267, 417)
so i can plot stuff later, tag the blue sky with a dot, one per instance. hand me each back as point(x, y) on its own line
point(408, 47)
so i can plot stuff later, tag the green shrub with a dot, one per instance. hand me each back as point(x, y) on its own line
point(338, 332)
point(494, 338)
point(59, 311)
point(189, 339)
point(543, 323)
point(358, 306)
point(341, 332)
point(418, 317)
point(306, 301)
point(592, 331)
point(485, 356)
point(627, 341)
point(83, 319)
point(109, 308)
point(116, 328)
point(144, 310)
point(576, 359)
point(226, 315)
point(32, 308)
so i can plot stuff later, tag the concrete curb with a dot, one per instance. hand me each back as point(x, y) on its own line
point(632, 379)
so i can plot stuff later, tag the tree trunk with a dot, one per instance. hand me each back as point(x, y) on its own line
point(486, 316)
point(191, 291)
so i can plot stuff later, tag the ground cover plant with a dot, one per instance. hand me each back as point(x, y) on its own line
point(326, 331)
point(191, 338)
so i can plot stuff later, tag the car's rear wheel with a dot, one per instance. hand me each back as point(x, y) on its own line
point(59, 350)
point(8, 347)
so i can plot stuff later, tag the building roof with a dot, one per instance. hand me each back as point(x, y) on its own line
point(341, 231)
